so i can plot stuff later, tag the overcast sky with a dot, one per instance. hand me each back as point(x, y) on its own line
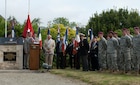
point(75, 10)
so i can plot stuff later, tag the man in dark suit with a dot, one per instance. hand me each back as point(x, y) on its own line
point(84, 48)
point(61, 58)
point(57, 55)
point(94, 54)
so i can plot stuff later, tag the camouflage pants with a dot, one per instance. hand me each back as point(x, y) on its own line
point(125, 61)
point(119, 60)
point(132, 63)
point(102, 60)
point(112, 61)
point(136, 61)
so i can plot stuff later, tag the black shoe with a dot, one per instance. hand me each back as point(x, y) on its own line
point(24, 67)
point(85, 70)
point(93, 69)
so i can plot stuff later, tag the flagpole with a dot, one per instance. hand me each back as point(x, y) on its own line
point(5, 18)
point(28, 7)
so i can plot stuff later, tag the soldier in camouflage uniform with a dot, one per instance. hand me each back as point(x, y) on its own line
point(118, 51)
point(136, 50)
point(112, 45)
point(102, 46)
point(131, 50)
point(125, 45)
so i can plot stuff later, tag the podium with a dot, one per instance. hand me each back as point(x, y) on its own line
point(34, 57)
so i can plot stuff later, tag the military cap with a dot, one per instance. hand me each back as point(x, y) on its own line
point(136, 27)
point(100, 33)
point(124, 29)
point(111, 32)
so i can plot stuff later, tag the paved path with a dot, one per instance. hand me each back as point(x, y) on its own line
point(34, 78)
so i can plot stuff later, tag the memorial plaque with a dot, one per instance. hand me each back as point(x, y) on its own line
point(9, 56)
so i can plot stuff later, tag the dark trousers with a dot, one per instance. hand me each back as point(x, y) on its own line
point(58, 60)
point(89, 62)
point(77, 61)
point(61, 60)
point(94, 62)
point(84, 62)
point(71, 61)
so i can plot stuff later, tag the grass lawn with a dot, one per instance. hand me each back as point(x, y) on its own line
point(99, 78)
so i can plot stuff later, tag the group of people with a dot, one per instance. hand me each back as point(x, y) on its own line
point(48, 47)
point(81, 53)
point(120, 54)
point(111, 54)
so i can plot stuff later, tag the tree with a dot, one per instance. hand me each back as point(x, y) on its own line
point(61, 20)
point(113, 20)
point(53, 31)
point(72, 24)
point(2, 26)
point(35, 24)
point(17, 26)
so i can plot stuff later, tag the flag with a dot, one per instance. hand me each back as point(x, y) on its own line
point(58, 35)
point(76, 42)
point(65, 41)
point(90, 33)
point(48, 32)
point(40, 37)
point(13, 31)
point(77, 38)
point(28, 27)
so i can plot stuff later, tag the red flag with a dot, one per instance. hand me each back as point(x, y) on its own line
point(28, 27)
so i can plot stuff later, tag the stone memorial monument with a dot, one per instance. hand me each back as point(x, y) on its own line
point(11, 53)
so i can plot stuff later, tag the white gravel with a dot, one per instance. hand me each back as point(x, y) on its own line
point(34, 78)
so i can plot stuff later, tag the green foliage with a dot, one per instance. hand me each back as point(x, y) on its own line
point(2, 26)
point(114, 20)
point(35, 24)
point(42, 58)
point(64, 21)
point(53, 31)
point(18, 29)
point(83, 30)
point(72, 24)
point(131, 31)
point(61, 20)
point(119, 31)
point(98, 78)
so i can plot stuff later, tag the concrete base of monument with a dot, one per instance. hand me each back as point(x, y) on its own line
point(11, 53)
point(11, 57)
